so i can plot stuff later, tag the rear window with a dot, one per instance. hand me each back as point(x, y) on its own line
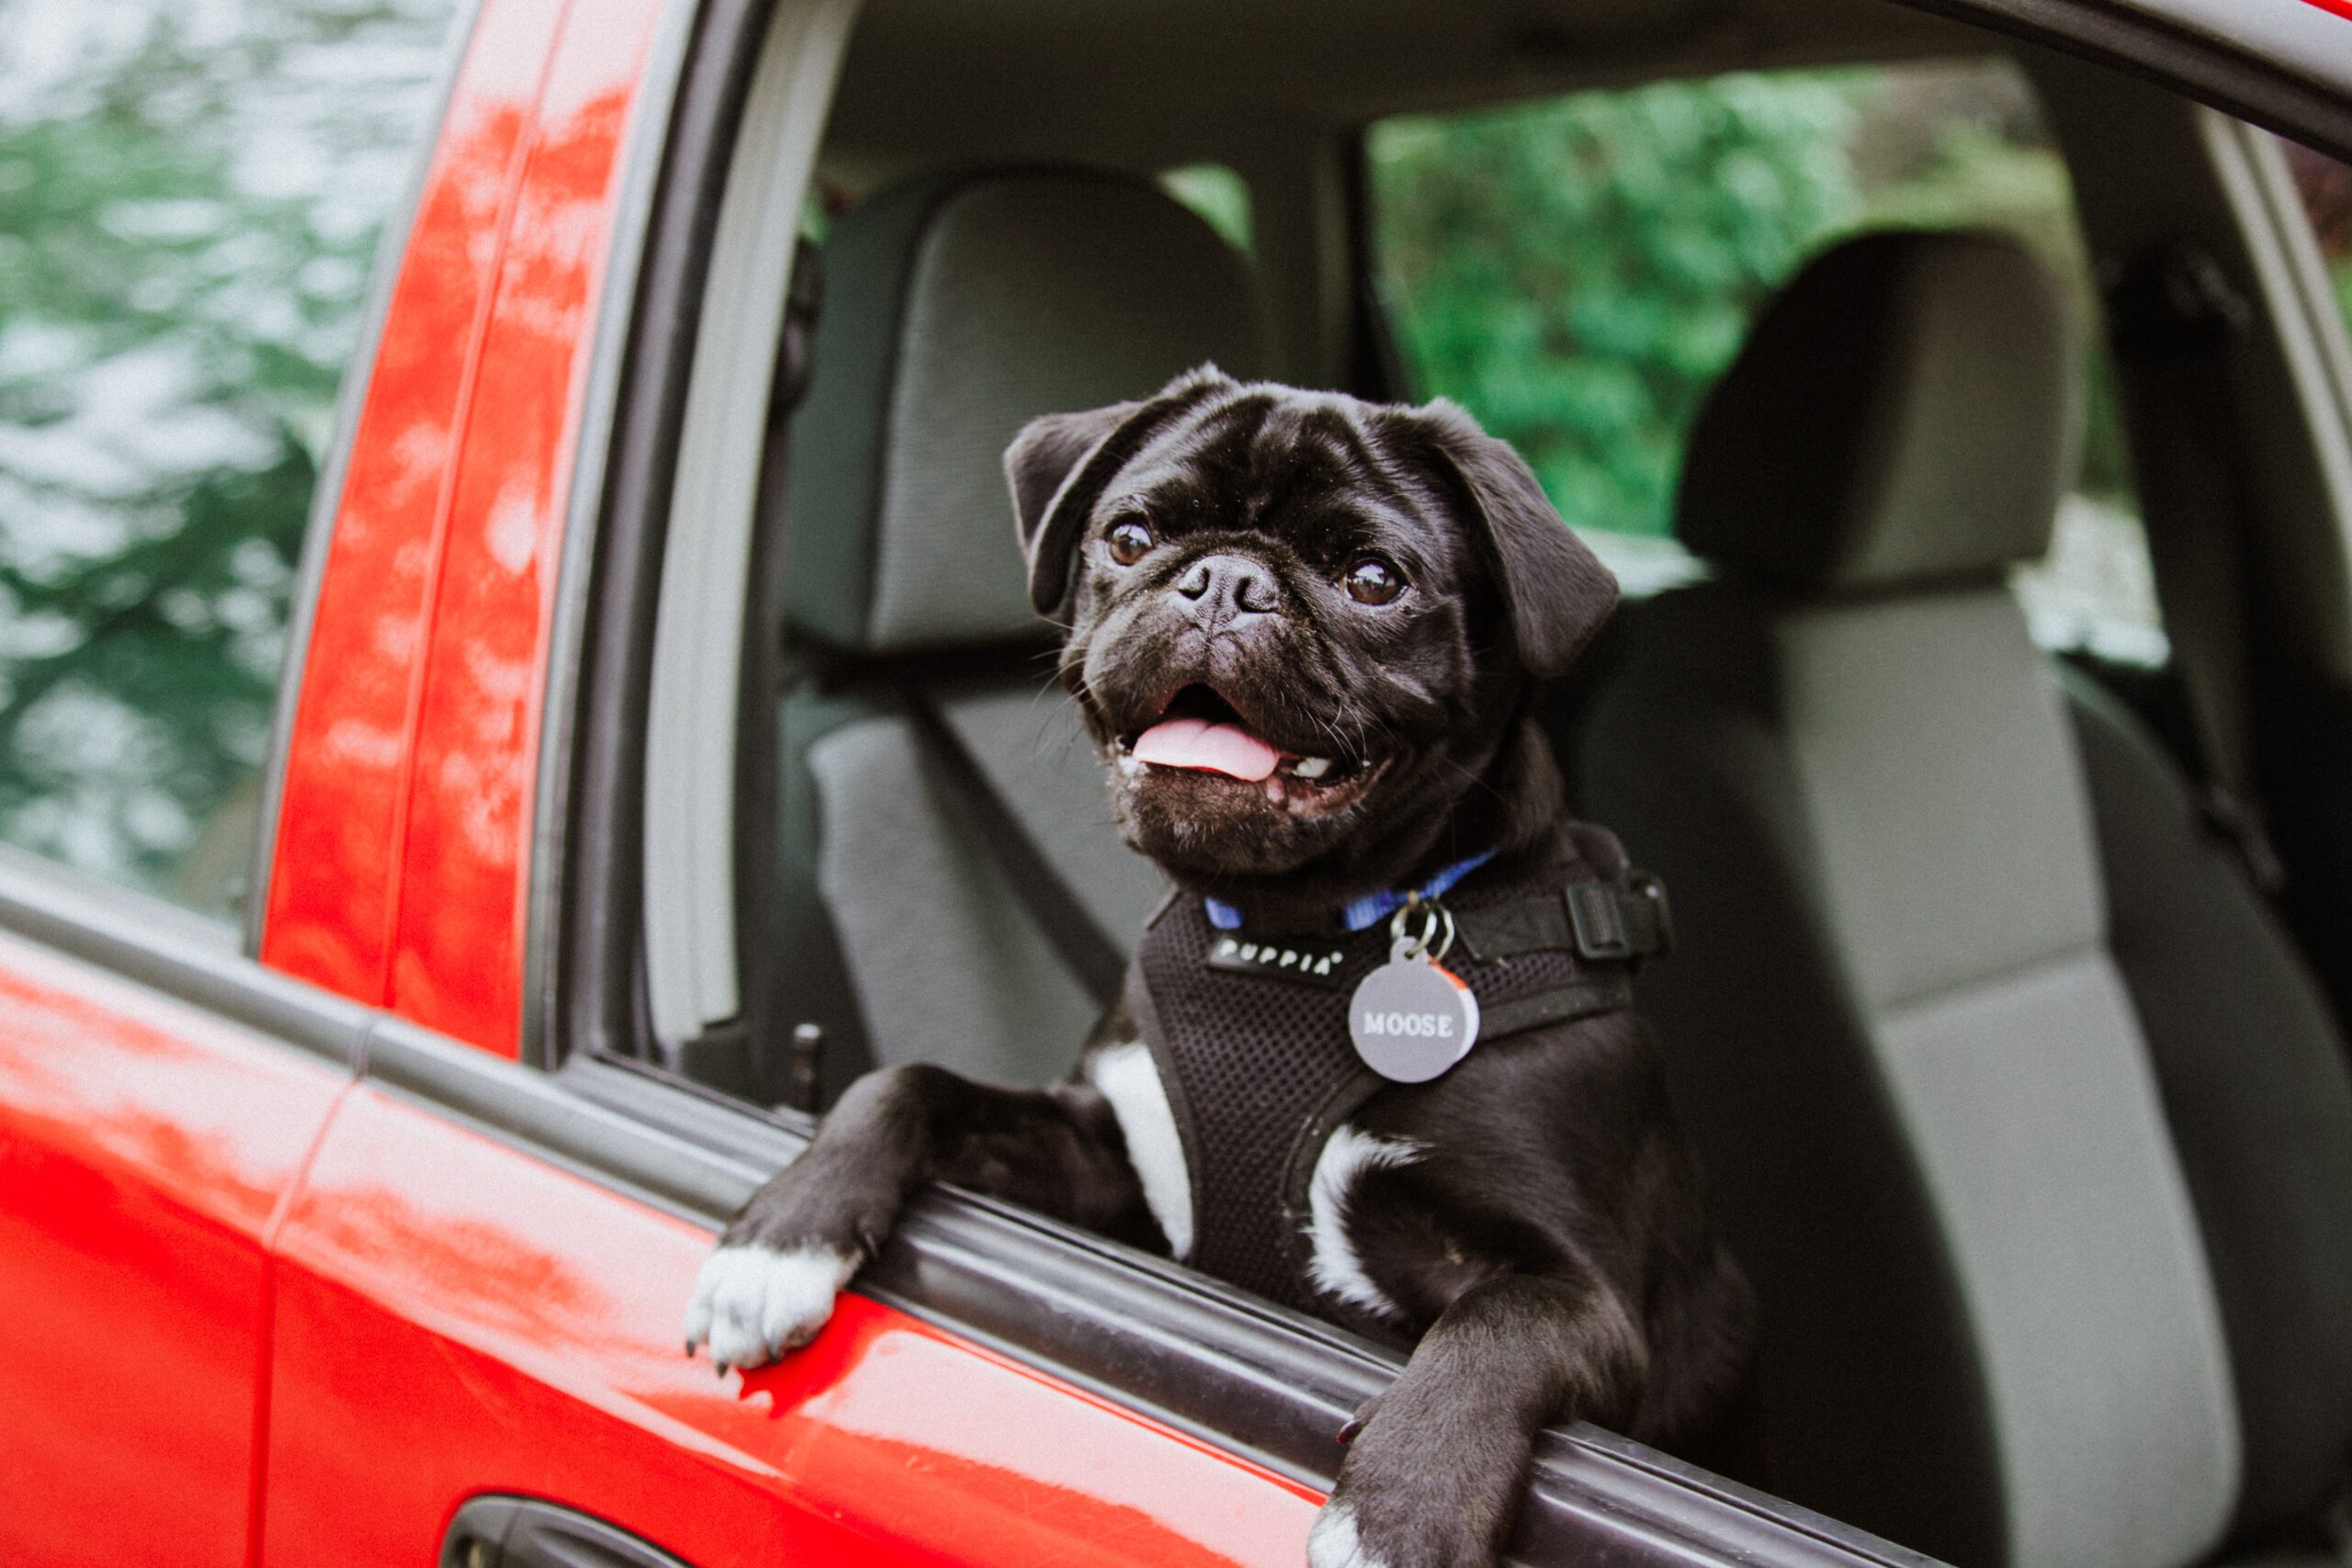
point(1578, 271)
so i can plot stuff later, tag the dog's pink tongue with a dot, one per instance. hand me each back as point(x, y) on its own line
point(1210, 747)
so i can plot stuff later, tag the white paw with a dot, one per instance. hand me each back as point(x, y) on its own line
point(752, 1303)
point(1332, 1543)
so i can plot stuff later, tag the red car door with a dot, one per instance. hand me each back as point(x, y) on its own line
point(148, 1150)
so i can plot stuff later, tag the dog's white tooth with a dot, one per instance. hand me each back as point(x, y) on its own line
point(1274, 787)
point(1311, 767)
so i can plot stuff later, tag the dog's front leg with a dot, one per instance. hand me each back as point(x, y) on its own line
point(770, 1286)
point(1433, 1476)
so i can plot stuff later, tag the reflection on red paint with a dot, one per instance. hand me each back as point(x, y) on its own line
point(458, 954)
point(502, 1324)
point(404, 841)
point(144, 1147)
point(340, 824)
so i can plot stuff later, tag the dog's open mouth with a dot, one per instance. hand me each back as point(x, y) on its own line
point(1200, 732)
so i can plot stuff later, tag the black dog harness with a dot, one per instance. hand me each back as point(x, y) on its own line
point(1251, 1034)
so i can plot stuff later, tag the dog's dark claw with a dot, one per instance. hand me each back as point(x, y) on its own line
point(1348, 1433)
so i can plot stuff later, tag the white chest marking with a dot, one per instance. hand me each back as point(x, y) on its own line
point(1337, 1268)
point(1126, 1078)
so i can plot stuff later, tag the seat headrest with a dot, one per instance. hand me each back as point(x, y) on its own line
point(1905, 412)
point(958, 308)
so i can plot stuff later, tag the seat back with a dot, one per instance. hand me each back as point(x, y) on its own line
point(959, 307)
point(1898, 1025)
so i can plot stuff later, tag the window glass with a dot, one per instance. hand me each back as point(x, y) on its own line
point(189, 199)
point(1578, 271)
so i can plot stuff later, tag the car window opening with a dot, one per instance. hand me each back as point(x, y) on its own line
point(1576, 270)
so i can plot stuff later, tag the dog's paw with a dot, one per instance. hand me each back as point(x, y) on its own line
point(752, 1303)
point(1406, 1528)
point(1334, 1542)
point(1409, 1496)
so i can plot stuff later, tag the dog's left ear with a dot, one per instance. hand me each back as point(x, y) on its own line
point(1059, 463)
point(1556, 589)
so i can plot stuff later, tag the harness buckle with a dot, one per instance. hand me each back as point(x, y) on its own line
point(1599, 922)
point(1620, 925)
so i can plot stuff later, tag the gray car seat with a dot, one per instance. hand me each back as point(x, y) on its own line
point(957, 307)
point(2033, 1131)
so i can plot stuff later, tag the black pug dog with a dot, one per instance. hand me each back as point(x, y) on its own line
point(1376, 1056)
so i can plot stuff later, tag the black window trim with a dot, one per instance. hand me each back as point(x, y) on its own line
point(326, 498)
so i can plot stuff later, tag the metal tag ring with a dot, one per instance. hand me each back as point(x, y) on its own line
point(1437, 922)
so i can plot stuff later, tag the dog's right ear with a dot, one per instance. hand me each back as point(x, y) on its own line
point(1059, 463)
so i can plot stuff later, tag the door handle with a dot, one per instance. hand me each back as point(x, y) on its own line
point(498, 1531)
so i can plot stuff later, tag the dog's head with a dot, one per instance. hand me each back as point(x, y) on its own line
point(1302, 627)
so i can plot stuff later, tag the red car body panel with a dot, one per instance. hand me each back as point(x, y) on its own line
point(402, 861)
point(457, 1316)
point(148, 1151)
point(334, 886)
point(456, 959)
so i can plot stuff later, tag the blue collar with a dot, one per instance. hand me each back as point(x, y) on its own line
point(1368, 910)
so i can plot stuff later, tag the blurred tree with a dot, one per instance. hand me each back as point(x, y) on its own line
point(1578, 272)
point(189, 201)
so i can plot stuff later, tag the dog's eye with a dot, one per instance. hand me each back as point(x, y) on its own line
point(1374, 582)
point(1128, 540)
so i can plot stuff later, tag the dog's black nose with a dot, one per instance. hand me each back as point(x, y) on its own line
point(1224, 589)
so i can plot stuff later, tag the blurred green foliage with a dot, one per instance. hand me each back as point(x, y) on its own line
point(1578, 272)
point(188, 202)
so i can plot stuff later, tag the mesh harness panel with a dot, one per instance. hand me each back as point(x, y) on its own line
point(1260, 1070)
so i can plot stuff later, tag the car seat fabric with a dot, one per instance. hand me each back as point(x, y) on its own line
point(2259, 1096)
point(946, 966)
point(958, 307)
point(1897, 1024)
point(1876, 432)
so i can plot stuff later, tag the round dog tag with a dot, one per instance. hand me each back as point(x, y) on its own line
point(1409, 1019)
